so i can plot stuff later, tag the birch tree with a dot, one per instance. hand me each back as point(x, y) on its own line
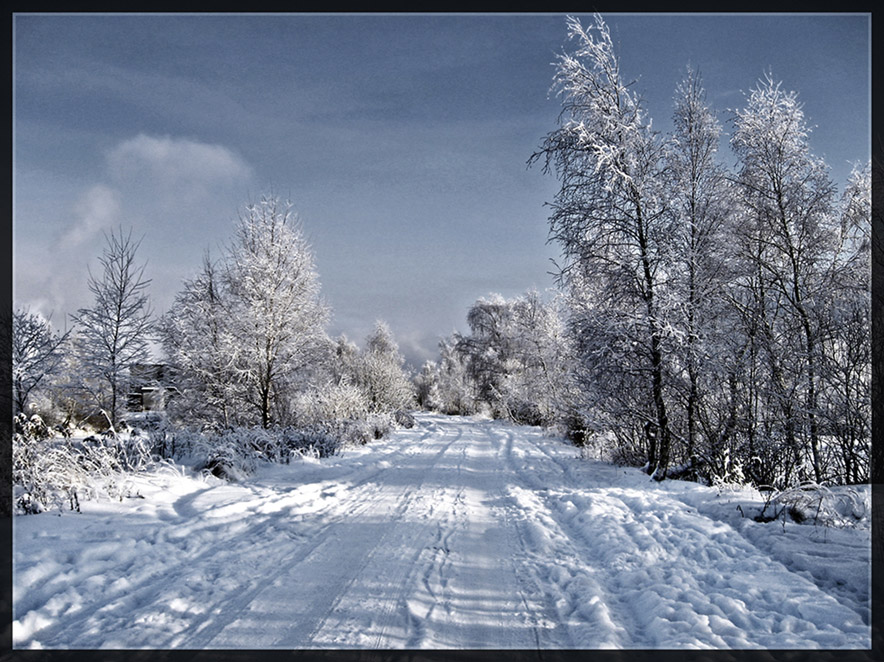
point(610, 215)
point(700, 201)
point(114, 333)
point(788, 199)
point(276, 317)
point(846, 346)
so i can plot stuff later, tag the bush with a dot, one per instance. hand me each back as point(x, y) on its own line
point(816, 504)
point(332, 403)
point(525, 413)
point(315, 441)
point(30, 428)
point(403, 419)
point(53, 473)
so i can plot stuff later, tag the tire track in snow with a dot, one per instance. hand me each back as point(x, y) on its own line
point(548, 632)
point(181, 536)
point(403, 539)
point(355, 504)
point(149, 585)
point(468, 523)
point(575, 590)
point(481, 595)
point(692, 575)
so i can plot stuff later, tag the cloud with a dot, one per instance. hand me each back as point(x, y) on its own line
point(175, 161)
point(96, 210)
point(176, 194)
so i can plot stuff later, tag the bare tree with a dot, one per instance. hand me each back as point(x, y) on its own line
point(37, 354)
point(114, 333)
point(787, 197)
point(700, 200)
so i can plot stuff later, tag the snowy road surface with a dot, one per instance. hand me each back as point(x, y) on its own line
point(458, 533)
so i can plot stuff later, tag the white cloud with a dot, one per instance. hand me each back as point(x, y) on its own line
point(176, 161)
point(176, 194)
point(97, 209)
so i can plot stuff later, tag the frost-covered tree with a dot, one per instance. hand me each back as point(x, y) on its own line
point(846, 352)
point(610, 215)
point(275, 315)
point(517, 356)
point(114, 333)
point(245, 335)
point(787, 199)
point(542, 382)
point(487, 350)
point(380, 372)
point(37, 354)
point(200, 348)
point(345, 360)
point(456, 389)
point(700, 200)
point(426, 387)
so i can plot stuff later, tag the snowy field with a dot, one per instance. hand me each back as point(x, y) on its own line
point(459, 533)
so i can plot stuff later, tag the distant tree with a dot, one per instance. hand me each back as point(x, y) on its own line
point(456, 389)
point(488, 349)
point(345, 360)
point(541, 382)
point(426, 384)
point(380, 373)
point(114, 333)
point(37, 354)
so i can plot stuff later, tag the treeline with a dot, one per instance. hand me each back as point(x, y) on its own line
point(243, 346)
point(715, 321)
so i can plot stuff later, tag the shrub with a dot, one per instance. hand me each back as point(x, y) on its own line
point(403, 419)
point(816, 504)
point(52, 473)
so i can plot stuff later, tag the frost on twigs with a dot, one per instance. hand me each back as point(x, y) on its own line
point(59, 473)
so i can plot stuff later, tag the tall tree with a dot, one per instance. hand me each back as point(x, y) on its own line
point(114, 333)
point(699, 199)
point(788, 200)
point(276, 315)
point(846, 347)
point(610, 215)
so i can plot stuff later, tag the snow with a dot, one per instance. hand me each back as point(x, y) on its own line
point(458, 533)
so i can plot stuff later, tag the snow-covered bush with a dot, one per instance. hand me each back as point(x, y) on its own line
point(314, 441)
point(31, 428)
point(403, 419)
point(333, 402)
point(52, 473)
point(232, 455)
point(812, 503)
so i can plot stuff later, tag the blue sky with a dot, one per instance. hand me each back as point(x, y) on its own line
point(402, 141)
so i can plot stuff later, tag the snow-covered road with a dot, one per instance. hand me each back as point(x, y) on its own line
point(456, 534)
